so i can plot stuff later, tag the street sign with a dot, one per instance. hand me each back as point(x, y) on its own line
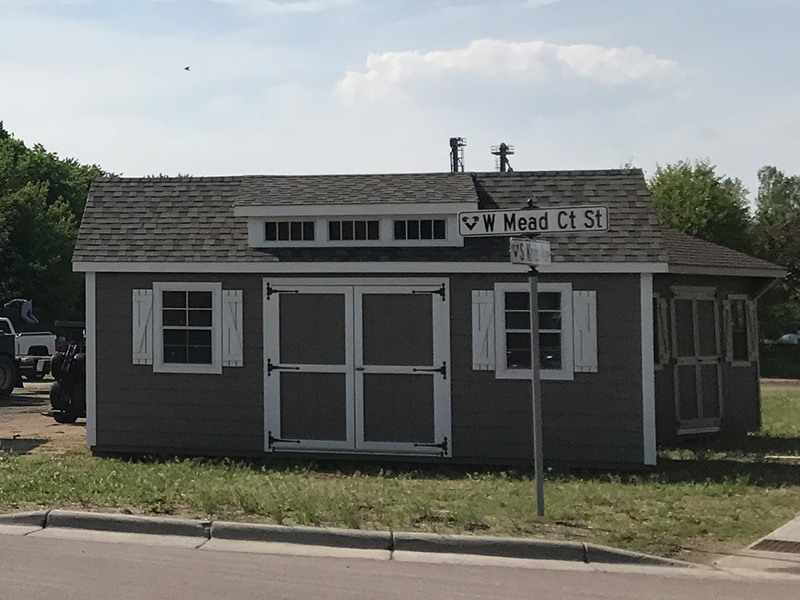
point(566, 219)
point(533, 253)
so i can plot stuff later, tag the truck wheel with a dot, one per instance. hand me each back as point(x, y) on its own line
point(8, 375)
point(66, 416)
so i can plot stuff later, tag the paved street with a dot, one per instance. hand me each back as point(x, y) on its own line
point(40, 567)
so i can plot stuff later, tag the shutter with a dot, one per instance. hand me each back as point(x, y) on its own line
point(232, 339)
point(483, 330)
point(584, 331)
point(143, 327)
point(752, 330)
point(727, 324)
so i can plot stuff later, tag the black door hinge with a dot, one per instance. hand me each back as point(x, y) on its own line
point(271, 441)
point(271, 290)
point(442, 369)
point(272, 367)
point(443, 446)
point(442, 291)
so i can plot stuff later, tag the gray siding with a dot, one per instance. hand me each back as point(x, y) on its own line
point(595, 419)
point(138, 410)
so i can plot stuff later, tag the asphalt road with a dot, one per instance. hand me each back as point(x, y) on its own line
point(34, 568)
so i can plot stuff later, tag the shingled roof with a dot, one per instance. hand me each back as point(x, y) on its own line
point(191, 219)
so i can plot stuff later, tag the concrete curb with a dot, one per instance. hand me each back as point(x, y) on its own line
point(340, 538)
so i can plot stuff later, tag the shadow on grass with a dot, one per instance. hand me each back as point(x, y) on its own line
point(757, 445)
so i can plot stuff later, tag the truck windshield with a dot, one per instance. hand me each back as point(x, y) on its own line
point(5, 327)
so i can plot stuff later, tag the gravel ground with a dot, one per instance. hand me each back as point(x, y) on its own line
point(25, 427)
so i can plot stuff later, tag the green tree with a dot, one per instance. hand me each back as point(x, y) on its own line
point(776, 238)
point(692, 198)
point(41, 204)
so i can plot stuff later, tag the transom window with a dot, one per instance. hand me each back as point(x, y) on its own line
point(289, 231)
point(419, 229)
point(353, 230)
point(513, 330)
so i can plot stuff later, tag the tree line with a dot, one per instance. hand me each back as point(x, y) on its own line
point(42, 198)
point(692, 197)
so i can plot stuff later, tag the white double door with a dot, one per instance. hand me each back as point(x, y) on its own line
point(360, 365)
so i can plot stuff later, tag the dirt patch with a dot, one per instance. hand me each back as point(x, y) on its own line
point(779, 385)
point(25, 427)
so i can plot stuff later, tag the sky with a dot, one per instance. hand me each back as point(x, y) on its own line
point(379, 86)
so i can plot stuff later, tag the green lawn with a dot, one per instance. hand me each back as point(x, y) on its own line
point(704, 498)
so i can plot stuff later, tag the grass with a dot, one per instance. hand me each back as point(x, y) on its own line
point(704, 498)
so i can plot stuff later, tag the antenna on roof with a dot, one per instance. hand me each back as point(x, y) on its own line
point(502, 152)
point(457, 154)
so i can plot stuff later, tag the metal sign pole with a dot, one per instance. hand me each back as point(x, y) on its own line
point(536, 392)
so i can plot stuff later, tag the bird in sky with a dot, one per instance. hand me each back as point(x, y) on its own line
point(187, 68)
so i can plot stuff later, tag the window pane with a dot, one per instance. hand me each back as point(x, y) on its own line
point(438, 229)
point(518, 301)
point(199, 299)
point(399, 230)
point(199, 355)
point(347, 230)
point(412, 230)
point(173, 318)
point(174, 337)
point(426, 229)
point(373, 232)
point(198, 337)
point(283, 231)
point(200, 318)
point(361, 230)
point(295, 230)
point(549, 320)
point(175, 354)
point(518, 350)
point(549, 301)
point(518, 320)
point(270, 232)
point(335, 231)
point(550, 350)
point(308, 230)
point(173, 300)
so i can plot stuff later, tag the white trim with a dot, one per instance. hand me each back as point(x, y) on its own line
point(159, 366)
point(774, 273)
point(91, 359)
point(354, 210)
point(648, 370)
point(275, 267)
point(566, 372)
point(727, 324)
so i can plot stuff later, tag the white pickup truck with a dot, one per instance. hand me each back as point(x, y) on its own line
point(33, 349)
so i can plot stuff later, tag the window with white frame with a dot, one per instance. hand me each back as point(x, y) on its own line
point(741, 330)
point(350, 230)
point(419, 229)
point(289, 231)
point(661, 332)
point(513, 333)
point(187, 327)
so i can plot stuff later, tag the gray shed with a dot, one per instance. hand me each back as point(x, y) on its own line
point(344, 316)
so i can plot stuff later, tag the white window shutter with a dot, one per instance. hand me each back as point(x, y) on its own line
point(584, 331)
point(143, 327)
point(752, 330)
point(232, 338)
point(483, 343)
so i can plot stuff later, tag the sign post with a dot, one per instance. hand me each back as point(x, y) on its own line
point(533, 253)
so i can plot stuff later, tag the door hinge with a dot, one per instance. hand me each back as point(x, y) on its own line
point(443, 446)
point(442, 291)
point(271, 441)
point(271, 367)
point(442, 369)
point(271, 290)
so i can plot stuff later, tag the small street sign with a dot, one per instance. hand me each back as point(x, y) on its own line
point(529, 252)
point(567, 219)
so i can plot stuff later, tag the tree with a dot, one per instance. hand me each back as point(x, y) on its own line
point(41, 204)
point(776, 238)
point(692, 198)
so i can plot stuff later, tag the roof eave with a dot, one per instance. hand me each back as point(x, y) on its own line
point(769, 273)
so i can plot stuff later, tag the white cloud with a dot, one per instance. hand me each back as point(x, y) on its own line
point(528, 62)
point(273, 7)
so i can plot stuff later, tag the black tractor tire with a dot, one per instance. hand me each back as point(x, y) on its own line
point(35, 375)
point(65, 416)
point(56, 365)
point(60, 397)
point(79, 398)
point(8, 375)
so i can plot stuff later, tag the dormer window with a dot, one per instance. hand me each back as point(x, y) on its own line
point(419, 229)
point(289, 231)
point(339, 231)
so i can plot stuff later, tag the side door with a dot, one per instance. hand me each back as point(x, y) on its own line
point(402, 369)
point(308, 367)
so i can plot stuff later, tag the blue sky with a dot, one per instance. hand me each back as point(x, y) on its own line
point(365, 86)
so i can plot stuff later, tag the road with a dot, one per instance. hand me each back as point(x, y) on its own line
point(36, 568)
